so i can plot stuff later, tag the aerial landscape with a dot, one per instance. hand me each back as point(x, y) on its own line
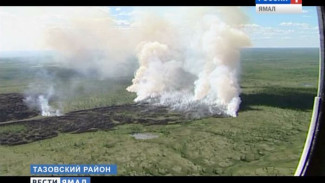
point(182, 102)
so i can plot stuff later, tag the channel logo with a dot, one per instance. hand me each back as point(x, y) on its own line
point(278, 6)
point(60, 180)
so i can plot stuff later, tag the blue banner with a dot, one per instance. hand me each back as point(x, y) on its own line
point(74, 180)
point(272, 1)
point(49, 169)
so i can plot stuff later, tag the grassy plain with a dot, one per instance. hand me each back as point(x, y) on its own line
point(267, 137)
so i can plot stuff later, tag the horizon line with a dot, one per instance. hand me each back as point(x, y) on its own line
point(241, 47)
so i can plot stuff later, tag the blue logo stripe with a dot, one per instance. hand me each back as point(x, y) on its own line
point(61, 169)
point(272, 1)
point(74, 179)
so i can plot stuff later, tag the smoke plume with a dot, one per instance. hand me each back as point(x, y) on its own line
point(41, 92)
point(187, 58)
point(193, 66)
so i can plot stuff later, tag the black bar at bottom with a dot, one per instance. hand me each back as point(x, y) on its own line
point(105, 179)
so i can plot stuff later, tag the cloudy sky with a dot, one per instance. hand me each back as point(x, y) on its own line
point(21, 27)
point(283, 30)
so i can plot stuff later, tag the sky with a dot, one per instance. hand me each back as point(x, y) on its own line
point(283, 30)
point(21, 27)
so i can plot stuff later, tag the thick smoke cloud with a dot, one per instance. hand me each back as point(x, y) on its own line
point(187, 59)
point(193, 67)
point(89, 42)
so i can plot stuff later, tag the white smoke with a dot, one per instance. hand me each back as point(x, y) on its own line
point(88, 41)
point(46, 109)
point(39, 94)
point(189, 58)
point(197, 70)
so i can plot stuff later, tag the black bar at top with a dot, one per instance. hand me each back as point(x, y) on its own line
point(144, 3)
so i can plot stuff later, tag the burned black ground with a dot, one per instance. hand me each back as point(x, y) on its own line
point(12, 107)
point(103, 118)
